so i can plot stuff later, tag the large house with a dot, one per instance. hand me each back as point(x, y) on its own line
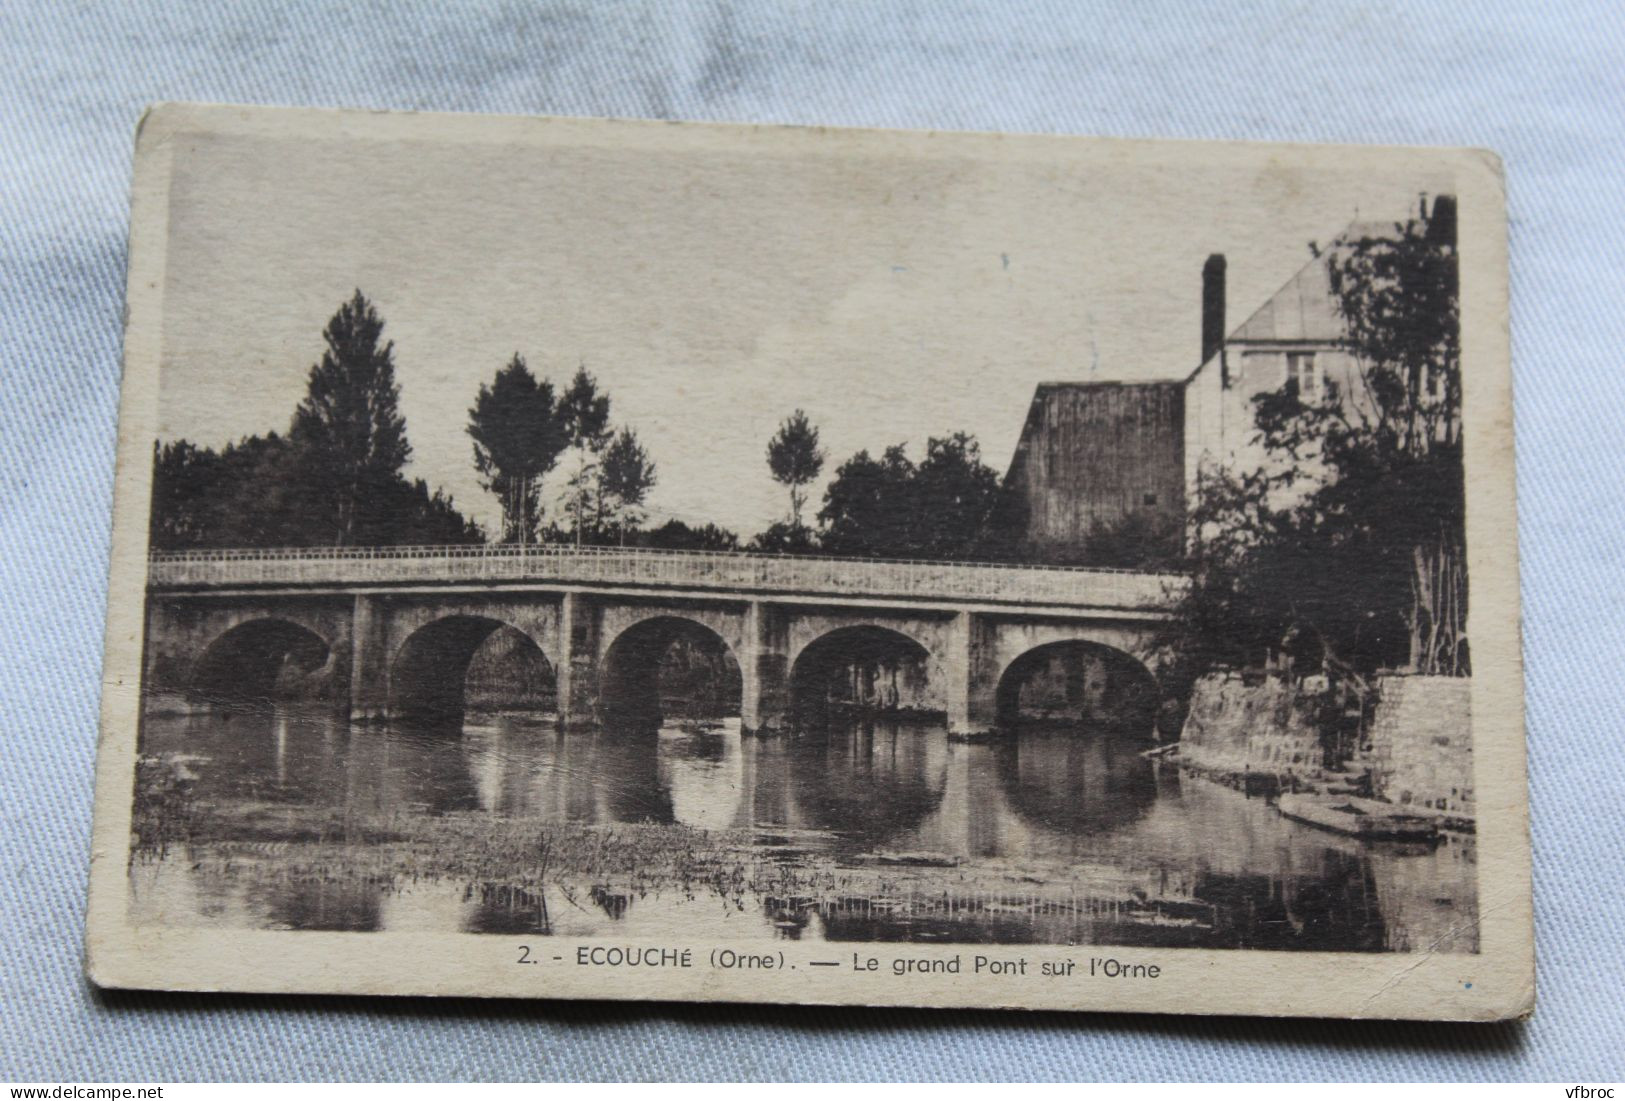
point(1099, 456)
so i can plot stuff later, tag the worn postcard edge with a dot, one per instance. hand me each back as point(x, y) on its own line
point(1430, 985)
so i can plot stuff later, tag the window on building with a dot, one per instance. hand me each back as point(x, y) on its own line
point(1150, 498)
point(1302, 368)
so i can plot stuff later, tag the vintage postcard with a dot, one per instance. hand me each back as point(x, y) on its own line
point(584, 559)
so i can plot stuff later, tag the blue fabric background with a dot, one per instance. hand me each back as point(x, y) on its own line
point(1542, 84)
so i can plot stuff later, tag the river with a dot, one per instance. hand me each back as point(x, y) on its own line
point(878, 831)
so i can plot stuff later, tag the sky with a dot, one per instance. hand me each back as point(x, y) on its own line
point(715, 279)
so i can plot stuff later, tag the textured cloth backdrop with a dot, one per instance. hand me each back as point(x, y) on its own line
point(1541, 84)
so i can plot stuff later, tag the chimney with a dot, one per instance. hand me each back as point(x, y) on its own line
point(1212, 306)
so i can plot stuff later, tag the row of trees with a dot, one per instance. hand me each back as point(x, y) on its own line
point(521, 433)
point(336, 478)
point(890, 507)
point(1361, 566)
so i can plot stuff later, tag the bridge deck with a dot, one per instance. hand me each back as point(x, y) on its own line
point(734, 571)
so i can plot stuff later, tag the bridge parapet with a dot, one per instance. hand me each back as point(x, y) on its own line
point(711, 570)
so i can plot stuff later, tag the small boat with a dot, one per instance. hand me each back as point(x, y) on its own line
point(1365, 819)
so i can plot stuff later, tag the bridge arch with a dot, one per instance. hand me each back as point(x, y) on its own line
point(259, 661)
point(669, 664)
point(1076, 683)
point(429, 676)
point(863, 668)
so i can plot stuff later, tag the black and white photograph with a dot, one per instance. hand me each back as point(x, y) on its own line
point(839, 551)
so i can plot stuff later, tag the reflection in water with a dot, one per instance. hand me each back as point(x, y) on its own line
point(503, 909)
point(869, 782)
point(320, 904)
point(1077, 785)
point(1048, 837)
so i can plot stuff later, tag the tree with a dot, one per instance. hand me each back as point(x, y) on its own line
point(584, 417)
point(626, 475)
point(676, 535)
point(1399, 296)
point(891, 508)
point(1354, 534)
point(865, 511)
point(795, 459)
point(185, 482)
point(349, 429)
point(785, 537)
point(953, 494)
point(518, 437)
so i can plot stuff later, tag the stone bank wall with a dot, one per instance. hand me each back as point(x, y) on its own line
point(1235, 727)
point(1422, 742)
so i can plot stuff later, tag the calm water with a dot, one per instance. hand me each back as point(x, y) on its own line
point(1046, 837)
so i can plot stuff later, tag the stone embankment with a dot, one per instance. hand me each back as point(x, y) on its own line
point(1420, 746)
point(1253, 732)
point(1411, 757)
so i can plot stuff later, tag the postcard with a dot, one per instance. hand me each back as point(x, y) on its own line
point(569, 558)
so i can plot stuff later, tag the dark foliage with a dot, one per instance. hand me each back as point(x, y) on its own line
point(794, 457)
point(334, 479)
point(1140, 540)
point(891, 508)
point(518, 436)
point(785, 537)
point(676, 535)
point(410, 512)
point(1355, 537)
point(250, 494)
point(863, 511)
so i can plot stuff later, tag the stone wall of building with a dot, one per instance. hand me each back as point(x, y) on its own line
point(1421, 742)
point(1239, 728)
point(1092, 456)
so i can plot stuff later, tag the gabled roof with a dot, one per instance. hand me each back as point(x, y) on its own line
point(1304, 310)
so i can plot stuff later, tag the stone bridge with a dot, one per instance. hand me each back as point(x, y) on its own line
point(389, 631)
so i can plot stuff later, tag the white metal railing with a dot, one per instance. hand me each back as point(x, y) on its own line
point(727, 570)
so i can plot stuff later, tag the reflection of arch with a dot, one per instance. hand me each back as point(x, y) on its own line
point(428, 679)
point(1078, 683)
point(1076, 785)
point(870, 780)
point(261, 660)
point(866, 669)
point(666, 664)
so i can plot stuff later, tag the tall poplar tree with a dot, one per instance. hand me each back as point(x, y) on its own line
point(795, 459)
point(584, 418)
point(348, 429)
point(626, 475)
point(518, 437)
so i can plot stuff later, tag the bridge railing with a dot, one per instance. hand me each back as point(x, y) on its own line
point(724, 570)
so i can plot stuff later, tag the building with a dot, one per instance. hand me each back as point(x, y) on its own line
point(1101, 457)
point(1296, 337)
point(1092, 457)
